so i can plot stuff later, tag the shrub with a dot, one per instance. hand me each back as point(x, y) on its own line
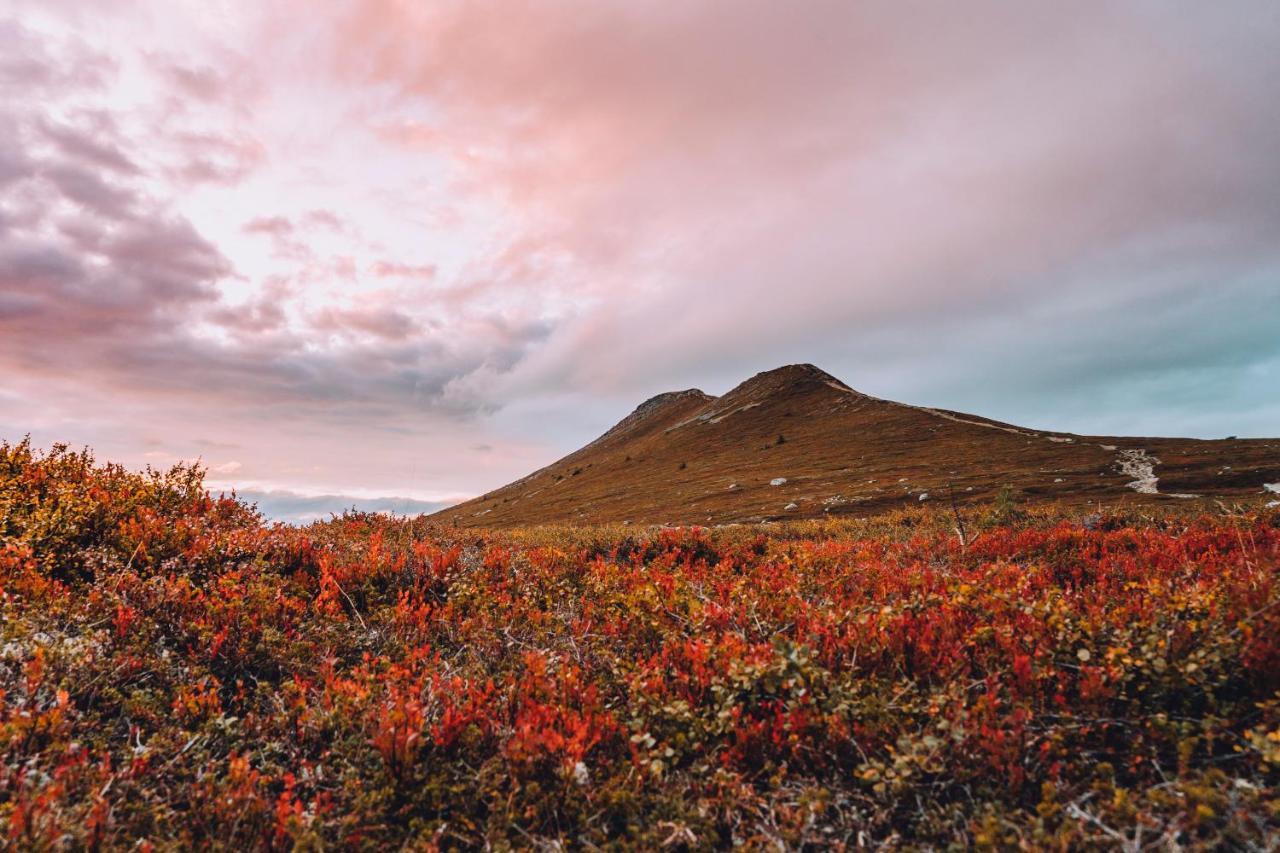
point(175, 673)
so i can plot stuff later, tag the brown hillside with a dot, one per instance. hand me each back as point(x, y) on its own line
point(686, 457)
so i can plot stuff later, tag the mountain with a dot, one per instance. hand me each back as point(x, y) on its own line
point(796, 442)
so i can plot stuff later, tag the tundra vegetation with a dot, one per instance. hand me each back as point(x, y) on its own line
point(177, 673)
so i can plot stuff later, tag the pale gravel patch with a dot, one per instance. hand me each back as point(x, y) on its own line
point(714, 418)
point(960, 420)
point(1137, 463)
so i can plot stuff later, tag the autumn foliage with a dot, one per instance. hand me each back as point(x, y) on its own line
point(174, 672)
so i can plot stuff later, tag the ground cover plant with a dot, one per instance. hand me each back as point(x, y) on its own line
point(176, 673)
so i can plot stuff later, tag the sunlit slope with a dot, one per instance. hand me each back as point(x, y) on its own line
point(687, 457)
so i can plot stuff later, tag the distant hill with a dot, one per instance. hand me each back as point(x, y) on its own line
point(796, 442)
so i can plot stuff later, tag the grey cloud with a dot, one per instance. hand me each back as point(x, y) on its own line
point(13, 164)
point(84, 187)
point(29, 67)
point(86, 145)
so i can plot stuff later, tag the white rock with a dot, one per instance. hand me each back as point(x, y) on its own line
point(791, 507)
point(778, 481)
point(1136, 463)
point(924, 496)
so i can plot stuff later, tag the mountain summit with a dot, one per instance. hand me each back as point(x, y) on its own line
point(796, 442)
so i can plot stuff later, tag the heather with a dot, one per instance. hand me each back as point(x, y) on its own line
point(177, 673)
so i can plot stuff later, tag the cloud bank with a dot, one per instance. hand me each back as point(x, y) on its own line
point(293, 508)
point(357, 243)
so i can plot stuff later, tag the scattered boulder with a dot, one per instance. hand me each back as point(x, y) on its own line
point(924, 496)
point(791, 507)
point(778, 481)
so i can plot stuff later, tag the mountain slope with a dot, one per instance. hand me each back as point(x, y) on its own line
point(686, 457)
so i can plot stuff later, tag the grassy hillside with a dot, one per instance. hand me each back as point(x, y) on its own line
point(797, 443)
point(174, 673)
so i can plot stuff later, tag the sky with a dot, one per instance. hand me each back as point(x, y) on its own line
point(394, 254)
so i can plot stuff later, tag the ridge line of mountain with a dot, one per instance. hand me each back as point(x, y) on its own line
point(797, 442)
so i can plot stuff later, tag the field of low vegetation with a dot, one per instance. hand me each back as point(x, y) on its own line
point(177, 673)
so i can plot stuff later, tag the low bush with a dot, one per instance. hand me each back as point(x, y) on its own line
point(174, 673)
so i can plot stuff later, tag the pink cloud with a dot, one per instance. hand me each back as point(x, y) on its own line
point(220, 158)
point(205, 84)
point(277, 226)
point(391, 269)
point(254, 318)
point(713, 174)
point(384, 323)
point(325, 219)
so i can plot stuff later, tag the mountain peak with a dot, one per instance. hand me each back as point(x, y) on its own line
point(795, 442)
point(798, 372)
point(788, 379)
point(656, 408)
point(802, 368)
point(666, 398)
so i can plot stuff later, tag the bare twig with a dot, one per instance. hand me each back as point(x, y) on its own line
point(354, 610)
point(951, 496)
